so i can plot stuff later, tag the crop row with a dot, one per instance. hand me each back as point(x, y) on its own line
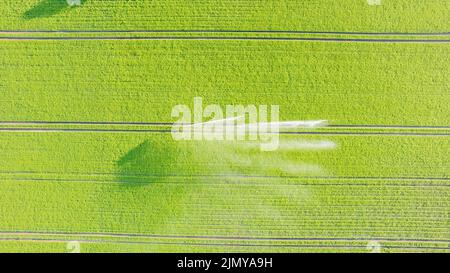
point(147, 157)
point(325, 15)
point(129, 81)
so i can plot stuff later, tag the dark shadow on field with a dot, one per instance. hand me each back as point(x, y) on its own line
point(142, 200)
point(143, 164)
point(48, 8)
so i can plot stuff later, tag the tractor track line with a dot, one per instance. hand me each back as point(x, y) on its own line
point(217, 244)
point(222, 245)
point(133, 175)
point(205, 237)
point(62, 130)
point(232, 31)
point(375, 126)
point(115, 38)
point(128, 182)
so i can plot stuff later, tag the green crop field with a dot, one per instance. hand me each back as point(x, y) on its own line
point(89, 161)
point(323, 15)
